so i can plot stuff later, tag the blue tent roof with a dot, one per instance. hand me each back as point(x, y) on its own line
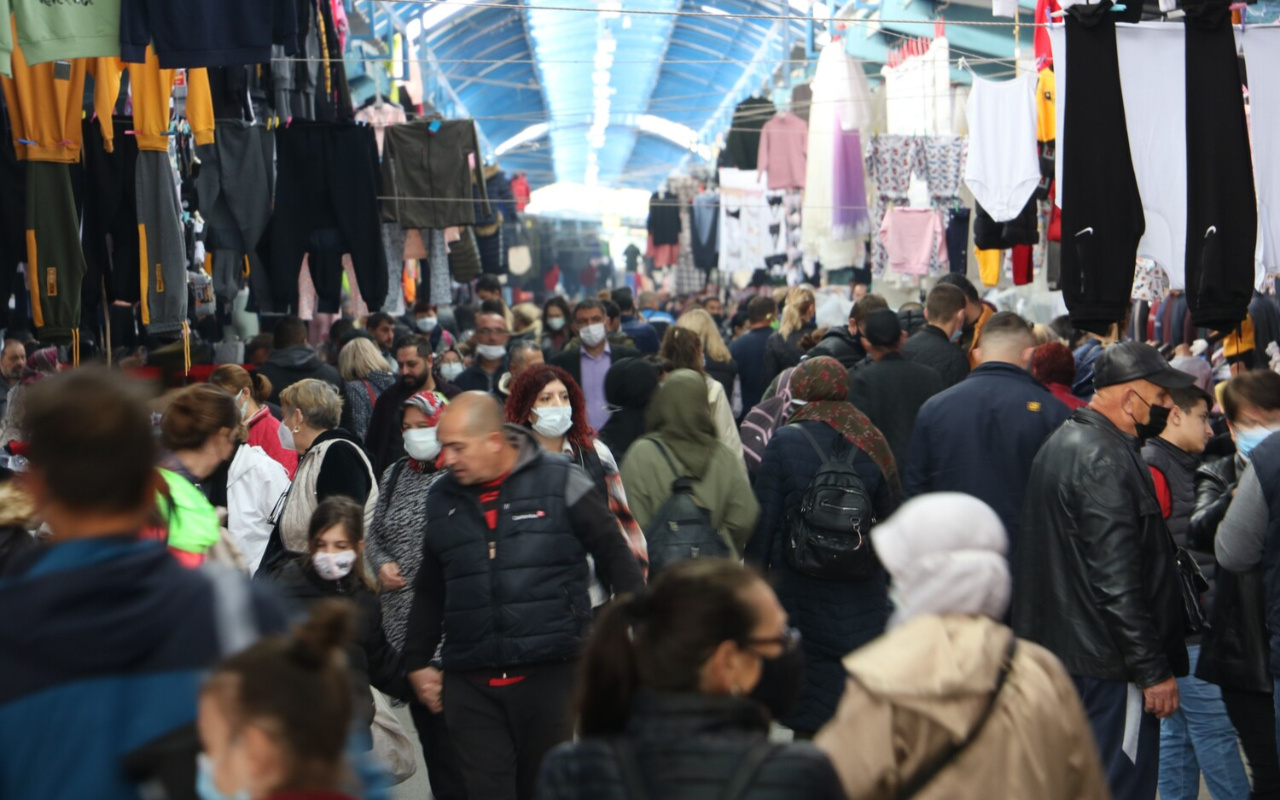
point(526, 69)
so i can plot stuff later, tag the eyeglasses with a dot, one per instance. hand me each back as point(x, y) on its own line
point(789, 640)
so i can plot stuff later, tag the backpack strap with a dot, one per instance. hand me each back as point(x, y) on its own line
point(922, 778)
point(812, 441)
point(630, 768)
point(747, 768)
point(670, 463)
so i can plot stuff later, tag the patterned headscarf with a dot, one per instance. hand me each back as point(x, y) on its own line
point(40, 365)
point(823, 383)
point(429, 403)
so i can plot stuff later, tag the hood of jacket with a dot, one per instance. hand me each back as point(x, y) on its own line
point(248, 459)
point(936, 666)
point(630, 383)
point(680, 417)
point(299, 356)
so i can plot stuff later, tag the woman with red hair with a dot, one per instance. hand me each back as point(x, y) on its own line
point(549, 402)
point(1053, 365)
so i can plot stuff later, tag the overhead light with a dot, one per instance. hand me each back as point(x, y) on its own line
point(713, 10)
point(529, 134)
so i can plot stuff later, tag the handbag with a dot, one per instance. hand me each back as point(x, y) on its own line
point(391, 745)
point(519, 259)
point(1192, 583)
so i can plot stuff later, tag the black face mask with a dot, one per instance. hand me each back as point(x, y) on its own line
point(781, 680)
point(1154, 426)
point(719, 318)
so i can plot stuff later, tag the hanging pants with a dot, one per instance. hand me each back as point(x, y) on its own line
point(393, 237)
point(1222, 211)
point(235, 188)
point(326, 179)
point(55, 260)
point(13, 247)
point(111, 238)
point(1102, 220)
point(162, 260)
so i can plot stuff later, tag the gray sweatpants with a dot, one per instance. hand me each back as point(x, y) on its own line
point(234, 186)
point(163, 257)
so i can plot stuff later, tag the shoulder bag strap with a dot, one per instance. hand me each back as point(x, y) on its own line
point(368, 387)
point(667, 457)
point(922, 778)
point(632, 778)
point(747, 769)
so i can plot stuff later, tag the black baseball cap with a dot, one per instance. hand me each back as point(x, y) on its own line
point(882, 328)
point(1135, 361)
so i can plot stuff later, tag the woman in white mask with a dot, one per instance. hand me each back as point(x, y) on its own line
point(546, 400)
point(451, 365)
point(427, 322)
point(333, 566)
point(394, 553)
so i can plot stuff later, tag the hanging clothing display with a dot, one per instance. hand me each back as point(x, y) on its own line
point(914, 238)
point(1101, 209)
point(235, 185)
point(1003, 169)
point(326, 181)
point(745, 242)
point(49, 31)
point(55, 261)
point(784, 144)
point(664, 219)
point(742, 145)
point(1047, 103)
point(1262, 57)
point(706, 234)
point(426, 176)
point(991, 235)
point(208, 33)
point(839, 115)
point(381, 115)
point(801, 100)
point(958, 240)
point(110, 223)
point(892, 160)
point(918, 93)
point(162, 257)
point(1222, 213)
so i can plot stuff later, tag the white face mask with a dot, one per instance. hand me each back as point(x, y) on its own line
point(491, 352)
point(427, 324)
point(334, 566)
point(452, 370)
point(286, 437)
point(553, 421)
point(555, 323)
point(243, 406)
point(421, 444)
point(592, 335)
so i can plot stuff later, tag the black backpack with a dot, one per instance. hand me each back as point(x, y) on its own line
point(828, 536)
point(681, 529)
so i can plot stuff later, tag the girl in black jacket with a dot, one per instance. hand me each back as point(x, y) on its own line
point(333, 567)
point(676, 692)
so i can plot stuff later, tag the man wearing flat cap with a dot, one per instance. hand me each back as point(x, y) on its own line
point(1096, 582)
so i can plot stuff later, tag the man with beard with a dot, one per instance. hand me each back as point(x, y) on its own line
point(414, 356)
point(13, 358)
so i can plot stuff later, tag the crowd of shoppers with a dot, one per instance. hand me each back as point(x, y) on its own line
point(964, 556)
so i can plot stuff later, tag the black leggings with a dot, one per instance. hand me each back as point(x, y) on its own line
point(1254, 717)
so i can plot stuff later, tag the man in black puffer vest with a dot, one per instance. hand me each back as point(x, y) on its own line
point(505, 572)
point(1199, 737)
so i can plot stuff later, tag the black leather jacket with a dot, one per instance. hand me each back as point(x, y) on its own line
point(1235, 648)
point(687, 747)
point(1095, 580)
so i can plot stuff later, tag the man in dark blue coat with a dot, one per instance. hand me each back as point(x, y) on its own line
point(748, 350)
point(981, 435)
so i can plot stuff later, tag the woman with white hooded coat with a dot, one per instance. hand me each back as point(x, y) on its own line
point(948, 703)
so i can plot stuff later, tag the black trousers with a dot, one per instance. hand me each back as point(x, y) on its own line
point(1222, 210)
point(1102, 219)
point(1105, 703)
point(1254, 716)
point(439, 753)
point(326, 178)
point(502, 730)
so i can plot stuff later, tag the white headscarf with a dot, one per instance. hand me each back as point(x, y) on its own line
point(945, 554)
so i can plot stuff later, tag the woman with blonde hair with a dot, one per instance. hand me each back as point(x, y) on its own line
point(719, 362)
point(526, 319)
point(683, 348)
point(251, 390)
point(364, 378)
point(783, 348)
point(330, 462)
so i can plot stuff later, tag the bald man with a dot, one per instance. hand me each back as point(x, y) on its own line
point(1098, 585)
point(505, 571)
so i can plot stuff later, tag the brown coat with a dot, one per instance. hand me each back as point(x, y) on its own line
point(920, 687)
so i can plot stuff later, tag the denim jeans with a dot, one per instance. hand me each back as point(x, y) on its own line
point(1199, 737)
